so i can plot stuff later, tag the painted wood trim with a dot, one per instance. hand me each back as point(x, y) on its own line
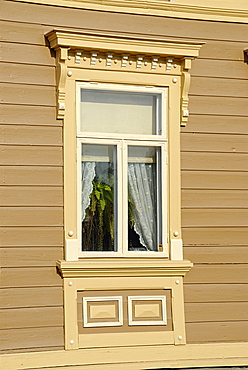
point(167, 356)
point(192, 9)
point(102, 48)
point(60, 38)
point(119, 267)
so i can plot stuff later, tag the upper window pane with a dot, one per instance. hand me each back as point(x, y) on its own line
point(120, 112)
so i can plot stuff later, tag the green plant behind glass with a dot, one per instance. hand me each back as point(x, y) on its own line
point(98, 225)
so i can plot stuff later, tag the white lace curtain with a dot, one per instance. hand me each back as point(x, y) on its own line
point(88, 174)
point(141, 191)
point(141, 187)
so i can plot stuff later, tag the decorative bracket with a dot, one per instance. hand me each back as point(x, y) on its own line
point(186, 66)
point(61, 71)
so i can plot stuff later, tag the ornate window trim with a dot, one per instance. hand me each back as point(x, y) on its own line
point(139, 55)
point(94, 58)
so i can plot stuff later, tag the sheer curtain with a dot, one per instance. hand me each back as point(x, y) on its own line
point(141, 184)
point(88, 174)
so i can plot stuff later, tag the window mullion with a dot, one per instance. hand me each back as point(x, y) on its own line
point(124, 221)
point(164, 196)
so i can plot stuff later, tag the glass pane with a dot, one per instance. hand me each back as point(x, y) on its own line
point(144, 199)
point(119, 112)
point(99, 180)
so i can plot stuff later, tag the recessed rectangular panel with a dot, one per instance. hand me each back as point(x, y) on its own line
point(105, 311)
point(102, 311)
point(147, 310)
point(144, 310)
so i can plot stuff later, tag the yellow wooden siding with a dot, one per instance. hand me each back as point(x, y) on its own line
point(214, 173)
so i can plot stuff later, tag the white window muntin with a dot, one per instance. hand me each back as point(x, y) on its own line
point(122, 196)
point(161, 109)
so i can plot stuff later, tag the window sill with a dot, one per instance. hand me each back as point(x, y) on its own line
point(123, 267)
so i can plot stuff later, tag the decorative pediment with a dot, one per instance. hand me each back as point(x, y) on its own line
point(108, 52)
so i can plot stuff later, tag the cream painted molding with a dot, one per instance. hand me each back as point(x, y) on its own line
point(167, 356)
point(122, 267)
point(221, 10)
point(105, 52)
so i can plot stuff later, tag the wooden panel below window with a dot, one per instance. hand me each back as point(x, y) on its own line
point(31, 297)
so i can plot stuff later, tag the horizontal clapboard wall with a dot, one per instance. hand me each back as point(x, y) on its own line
point(214, 175)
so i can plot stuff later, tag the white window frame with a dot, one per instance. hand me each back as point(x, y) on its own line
point(122, 141)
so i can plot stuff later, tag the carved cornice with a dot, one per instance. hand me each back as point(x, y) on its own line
point(109, 52)
point(123, 267)
point(77, 40)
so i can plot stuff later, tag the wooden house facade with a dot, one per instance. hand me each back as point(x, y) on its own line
point(122, 87)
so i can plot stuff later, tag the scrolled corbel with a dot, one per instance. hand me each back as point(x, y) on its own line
point(186, 66)
point(61, 75)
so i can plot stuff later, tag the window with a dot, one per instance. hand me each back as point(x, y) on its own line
point(122, 101)
point(122, 151)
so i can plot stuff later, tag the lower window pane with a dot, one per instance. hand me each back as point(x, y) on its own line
point(99, 198)
point(144, 198)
